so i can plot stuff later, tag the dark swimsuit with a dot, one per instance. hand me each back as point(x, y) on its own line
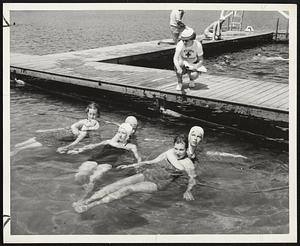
point(109, 155)
point(161, 173)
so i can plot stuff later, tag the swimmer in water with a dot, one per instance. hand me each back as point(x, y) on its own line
point(160, 172)
point(83, 127)
point(262, 58)
point(131, 120)
point(78, 130)
point(220, 65)
point(91, 171)
point(120, 140)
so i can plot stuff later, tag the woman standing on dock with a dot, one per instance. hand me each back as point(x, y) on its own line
point(176, 24)
point(188, 58)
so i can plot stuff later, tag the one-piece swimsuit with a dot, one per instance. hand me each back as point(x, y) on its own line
point(161, 173)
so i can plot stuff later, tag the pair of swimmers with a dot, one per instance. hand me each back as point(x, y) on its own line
point(159, 173)
point(77, 132)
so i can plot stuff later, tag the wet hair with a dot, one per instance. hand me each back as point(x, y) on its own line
point(93, 105)
point(182, 139)
point(193, 37)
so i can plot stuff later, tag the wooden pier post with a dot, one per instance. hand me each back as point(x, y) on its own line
point(241, 21)
point(228, 22)
point(276, 31)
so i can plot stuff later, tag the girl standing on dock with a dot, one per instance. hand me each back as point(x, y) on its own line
point(188, 58)
point(161, 172)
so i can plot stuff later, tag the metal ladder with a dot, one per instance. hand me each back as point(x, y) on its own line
point(236, 20)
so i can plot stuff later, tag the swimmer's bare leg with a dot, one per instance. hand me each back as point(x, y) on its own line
point(112, 188)
point(30, 143)
point(146, 187)
point(27, 142)
point(84, 171)
point(96, 176)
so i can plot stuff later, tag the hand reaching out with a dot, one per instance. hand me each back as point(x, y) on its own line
point(136, 166)
point(62, 150)
point(74, 151)
point(125, 166)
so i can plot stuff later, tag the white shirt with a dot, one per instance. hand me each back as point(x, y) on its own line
point(175, 16)
point(191, 53)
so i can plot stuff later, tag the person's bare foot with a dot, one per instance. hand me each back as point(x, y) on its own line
point(80, 207)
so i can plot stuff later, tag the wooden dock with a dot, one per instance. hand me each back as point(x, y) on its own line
point(103, 69)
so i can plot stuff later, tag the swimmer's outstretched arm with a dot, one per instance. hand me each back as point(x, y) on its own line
point(52, 130)
point(139, 164)
point(217, 153)
point(87, 147)
point(82, 135)
point(111, 122)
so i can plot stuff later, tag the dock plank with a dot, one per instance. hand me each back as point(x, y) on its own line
point(284, 103)
point(278, 100)
point(251, 89)
point(227, 85)
point(273, 95)
point(256, 90)
point(233, 88)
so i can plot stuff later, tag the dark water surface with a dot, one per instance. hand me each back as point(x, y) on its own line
point(235, 195)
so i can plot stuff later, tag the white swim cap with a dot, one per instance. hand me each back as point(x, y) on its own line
point(127, 128)
point(187, 34)
point(131, 120)
point(197, 129)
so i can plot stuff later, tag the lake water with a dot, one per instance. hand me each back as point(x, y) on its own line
point(239, 196)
